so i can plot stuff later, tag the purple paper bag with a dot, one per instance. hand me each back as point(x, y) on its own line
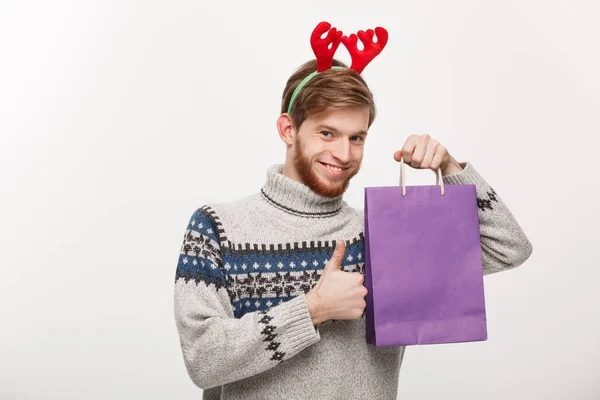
point(423, 268)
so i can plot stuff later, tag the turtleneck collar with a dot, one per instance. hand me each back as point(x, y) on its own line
point(295, 197)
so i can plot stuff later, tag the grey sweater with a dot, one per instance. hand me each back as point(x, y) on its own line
point(239, 298)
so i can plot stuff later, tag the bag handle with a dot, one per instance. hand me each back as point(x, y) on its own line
point(438, 181)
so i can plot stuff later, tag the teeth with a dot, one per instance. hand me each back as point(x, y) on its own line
point(333, 168)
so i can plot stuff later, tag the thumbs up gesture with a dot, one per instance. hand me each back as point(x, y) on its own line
point(338, 294)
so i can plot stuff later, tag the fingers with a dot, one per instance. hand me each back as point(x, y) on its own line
point(338, 255)
point(340, 249)
point(407, 150)
point(360, 278)
point(429, 153)
point(440, 154)
point(419, 153)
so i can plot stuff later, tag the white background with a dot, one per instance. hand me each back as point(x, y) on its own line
point(119, 118)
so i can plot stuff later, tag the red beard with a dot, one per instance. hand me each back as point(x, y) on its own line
point(310, 178)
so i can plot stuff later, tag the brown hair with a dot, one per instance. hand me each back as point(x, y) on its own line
point(328, 90)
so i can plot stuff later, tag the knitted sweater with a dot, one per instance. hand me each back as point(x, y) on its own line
point(239, 298)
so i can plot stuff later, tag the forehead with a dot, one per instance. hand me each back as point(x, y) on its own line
point(345, 120)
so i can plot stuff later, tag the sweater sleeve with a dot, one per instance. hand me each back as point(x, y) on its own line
point(504, 245)
point(217, 347)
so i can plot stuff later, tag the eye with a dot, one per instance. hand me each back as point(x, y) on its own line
point(360, 139)
point(326, 132)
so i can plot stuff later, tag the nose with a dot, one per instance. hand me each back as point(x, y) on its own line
point(341, 150)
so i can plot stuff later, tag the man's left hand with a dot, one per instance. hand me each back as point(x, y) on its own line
point(424, 152)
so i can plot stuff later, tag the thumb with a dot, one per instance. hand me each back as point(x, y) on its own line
point(334, 263)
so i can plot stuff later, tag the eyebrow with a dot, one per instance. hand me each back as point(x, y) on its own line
point(331, 128)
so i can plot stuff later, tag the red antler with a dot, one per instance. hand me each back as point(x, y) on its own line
point(320, 46)
point(360, 59)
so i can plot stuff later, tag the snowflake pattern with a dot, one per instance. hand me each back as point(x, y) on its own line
point(200, 246)
point(257, 277)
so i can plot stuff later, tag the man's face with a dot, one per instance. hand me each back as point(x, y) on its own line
point(328, 149)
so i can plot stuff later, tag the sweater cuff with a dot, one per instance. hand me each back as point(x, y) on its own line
point(294, 321)
point(468, 175)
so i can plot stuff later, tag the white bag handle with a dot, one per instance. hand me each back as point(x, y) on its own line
point(438, 181)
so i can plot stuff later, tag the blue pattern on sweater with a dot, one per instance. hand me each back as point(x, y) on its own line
point(256, 277)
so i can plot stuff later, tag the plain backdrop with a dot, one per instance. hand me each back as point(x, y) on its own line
point(119, 118)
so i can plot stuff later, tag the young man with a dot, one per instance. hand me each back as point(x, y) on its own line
point(265, 307)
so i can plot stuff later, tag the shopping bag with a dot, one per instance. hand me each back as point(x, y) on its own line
point(423, 267)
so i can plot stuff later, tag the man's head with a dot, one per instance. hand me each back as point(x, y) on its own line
point(326, 128)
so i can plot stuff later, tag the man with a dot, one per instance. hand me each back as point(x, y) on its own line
point(265, 307)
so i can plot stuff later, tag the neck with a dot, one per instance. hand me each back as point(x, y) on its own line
point(290, 195)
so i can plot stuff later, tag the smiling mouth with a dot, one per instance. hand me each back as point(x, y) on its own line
point(336, 171)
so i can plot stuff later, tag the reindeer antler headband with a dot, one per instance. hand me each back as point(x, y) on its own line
point(324, 50)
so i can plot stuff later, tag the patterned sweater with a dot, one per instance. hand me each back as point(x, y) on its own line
point(239, 298)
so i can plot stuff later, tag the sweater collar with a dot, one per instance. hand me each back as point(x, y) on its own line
point(295, 197)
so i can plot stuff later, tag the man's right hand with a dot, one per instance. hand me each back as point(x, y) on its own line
point(338, 294)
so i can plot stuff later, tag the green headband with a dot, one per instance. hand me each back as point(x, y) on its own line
point(304, 81)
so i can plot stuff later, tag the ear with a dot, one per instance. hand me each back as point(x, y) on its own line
point(286, 128)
